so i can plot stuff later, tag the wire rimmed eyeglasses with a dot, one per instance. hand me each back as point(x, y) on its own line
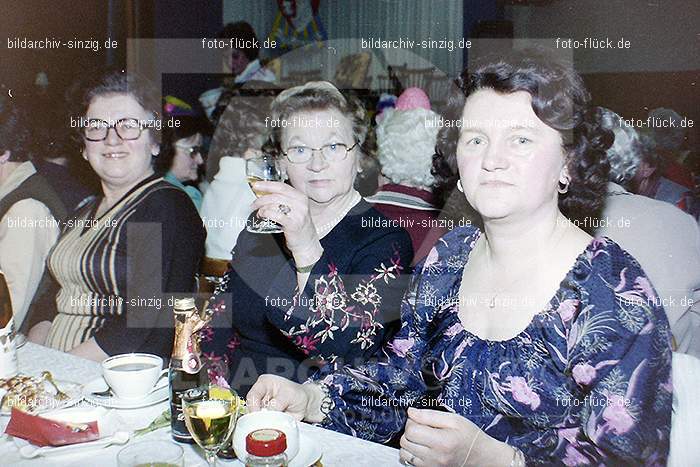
point(331, 152)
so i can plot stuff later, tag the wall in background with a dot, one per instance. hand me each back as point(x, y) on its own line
point(662, 33)
point(660, 69)
point(349, 22)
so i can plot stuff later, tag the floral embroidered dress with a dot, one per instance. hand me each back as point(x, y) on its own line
point(263, 324)
point(588, 382)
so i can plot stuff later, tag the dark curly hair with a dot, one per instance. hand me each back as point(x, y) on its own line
point(242, 31)
point(559, 99)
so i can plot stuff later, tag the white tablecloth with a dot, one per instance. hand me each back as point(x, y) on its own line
point(338, 449)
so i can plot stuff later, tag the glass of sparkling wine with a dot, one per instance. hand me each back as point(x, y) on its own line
point(210, 420)
point(263, 168)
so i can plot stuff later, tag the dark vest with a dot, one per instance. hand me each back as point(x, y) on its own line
point(35, 187)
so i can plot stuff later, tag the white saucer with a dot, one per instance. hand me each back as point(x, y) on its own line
point(309, 453)
point(48, 402)
point(99, 384)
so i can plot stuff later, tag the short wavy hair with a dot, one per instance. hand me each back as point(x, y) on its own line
point(117, 81)
point(626, 152)
point(560, 100)
point(317, 96)
point(405, 146)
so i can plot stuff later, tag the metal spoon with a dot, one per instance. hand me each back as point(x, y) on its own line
point(30, 451)
point(106, 393)
point(60, 395)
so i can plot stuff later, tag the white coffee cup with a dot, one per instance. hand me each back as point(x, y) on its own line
point(266, 419)
point(132, 375)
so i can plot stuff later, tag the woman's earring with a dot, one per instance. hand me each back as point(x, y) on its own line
point(563, 186)
point(459, 186)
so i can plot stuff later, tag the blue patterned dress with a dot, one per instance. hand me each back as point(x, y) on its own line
point(588, 382)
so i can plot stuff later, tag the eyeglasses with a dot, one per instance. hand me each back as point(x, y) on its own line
point(126, 128)
point(331, 152)
point(192, 151)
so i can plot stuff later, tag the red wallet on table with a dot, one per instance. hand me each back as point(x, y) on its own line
point(45, 432)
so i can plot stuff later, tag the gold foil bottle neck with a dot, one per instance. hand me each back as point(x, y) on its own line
point(184, 304)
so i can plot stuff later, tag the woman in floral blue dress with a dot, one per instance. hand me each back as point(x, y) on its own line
point(543, 345)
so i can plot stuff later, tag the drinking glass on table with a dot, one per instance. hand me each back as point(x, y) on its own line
point(210, 415)
point(263, 168)
point(151, 453)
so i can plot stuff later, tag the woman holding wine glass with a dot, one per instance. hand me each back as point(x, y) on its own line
point(325, 287)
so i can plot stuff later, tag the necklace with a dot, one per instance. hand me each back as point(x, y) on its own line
point(324, 229)
point(492, 302)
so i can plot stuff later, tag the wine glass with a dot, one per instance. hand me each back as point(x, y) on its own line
point(263, 168)
point(210, 413)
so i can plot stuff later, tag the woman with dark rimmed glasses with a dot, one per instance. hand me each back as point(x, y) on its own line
point(182, 154)
point(119, 255)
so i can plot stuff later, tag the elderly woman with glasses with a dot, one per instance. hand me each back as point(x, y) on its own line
point(328, 288)
point(119, 256)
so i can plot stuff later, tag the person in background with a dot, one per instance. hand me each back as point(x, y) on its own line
point(57, 153)
point(405, 148)
point(664, 239)
point(241, 63)
point(31, 212)
point(540, 344)
point(244, 62)
point(182, 153)
point(665, 174)
point(226, 206)
point(328, 287)
point(122, 256)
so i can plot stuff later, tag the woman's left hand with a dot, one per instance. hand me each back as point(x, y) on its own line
point(434, 438)
point(299, 230)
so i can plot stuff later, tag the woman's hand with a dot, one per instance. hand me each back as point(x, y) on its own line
point(299, 230)
point(433, 438)
point(39, 332)
point(302, 401)
point(90, 350)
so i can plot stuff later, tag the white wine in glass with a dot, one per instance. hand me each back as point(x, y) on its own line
point(258, 169)
point(210, 422)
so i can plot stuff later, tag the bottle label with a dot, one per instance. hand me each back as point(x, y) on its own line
point(8, 351)
point(182, 383)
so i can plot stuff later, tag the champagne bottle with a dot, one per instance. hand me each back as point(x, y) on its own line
point(186, 370)
point(8, 351)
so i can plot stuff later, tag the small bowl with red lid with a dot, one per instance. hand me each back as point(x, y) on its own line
point(266, 419)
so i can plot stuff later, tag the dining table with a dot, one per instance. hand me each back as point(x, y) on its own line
point(337, 449)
